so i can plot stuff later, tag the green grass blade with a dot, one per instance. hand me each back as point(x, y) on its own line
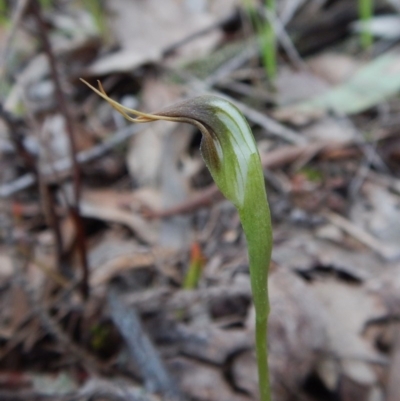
point(366, 12)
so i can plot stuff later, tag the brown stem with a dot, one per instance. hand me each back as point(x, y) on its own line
point(17, 138)
point(62, 104)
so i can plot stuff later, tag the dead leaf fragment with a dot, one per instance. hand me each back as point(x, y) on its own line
point(106, 205)
point(202, 382)
point(369, 86)
point(213, 344)
point(296, 331)
point(144, 30)
point(349, 307)
point(333, 68)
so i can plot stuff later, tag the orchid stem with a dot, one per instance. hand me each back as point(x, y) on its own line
point(230, 153)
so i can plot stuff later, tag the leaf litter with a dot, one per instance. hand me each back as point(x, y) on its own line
point(146, 198)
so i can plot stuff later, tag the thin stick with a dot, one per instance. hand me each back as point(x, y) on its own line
point(62, 104)
point(63, 165)
point(386, 251)
point(140, 347)
point(48, 204)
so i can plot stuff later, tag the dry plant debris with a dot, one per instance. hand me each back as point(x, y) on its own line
point(328, 135)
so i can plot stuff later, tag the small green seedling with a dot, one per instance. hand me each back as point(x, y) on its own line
point(96, 10)
point(196, 266)
point(46, 4)
point(266, 36)
point(4, 19)
point(365, 12)
point(268, 42)
point(230, 153)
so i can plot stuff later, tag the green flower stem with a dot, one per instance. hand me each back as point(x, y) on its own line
point(255, 218)
point(230, 153)
point(366, 11)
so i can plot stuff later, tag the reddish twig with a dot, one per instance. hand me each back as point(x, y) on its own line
point(62, 104)
point(206, 198)
point(48, 204)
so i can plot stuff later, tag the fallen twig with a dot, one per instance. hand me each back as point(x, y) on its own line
point(102, 392)
point(150, 301)
point(142, 351)
point(272, 126)
point(62, 104)
point(209, 195)
point(64, 165)
point(47, 201)
point(387, 252)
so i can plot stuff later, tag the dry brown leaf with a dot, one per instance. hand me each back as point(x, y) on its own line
point(296, 331)
point(387, 287)
point(175, 186)
point(154, 157)
point(333, 68)
point(144, 30)
point(202, 382)
point(378, 213)
point(6, 268)
point(302, 251)
point(330, 130)
point(112, 257)
point(349, 308)
point(293, 86)
point(213, 344)
point(106, 205)
point(145, 154)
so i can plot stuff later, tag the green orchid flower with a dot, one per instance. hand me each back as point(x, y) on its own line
point(230, 153)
